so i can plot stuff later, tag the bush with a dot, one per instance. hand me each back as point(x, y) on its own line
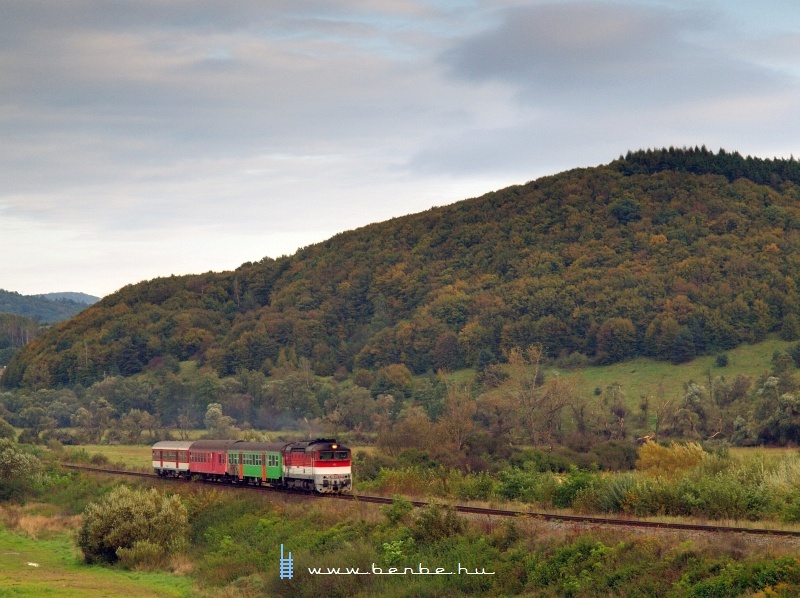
point(657, 460)
point(28, 436)
point(434, 523)
point(7, 430)
point(19, 470)
point(369, 466)
point(576, 482)
point(722, 360)
point(98, 459)
point(138, 527)
point(477, 486)
point(614, 455)
point(397, 511)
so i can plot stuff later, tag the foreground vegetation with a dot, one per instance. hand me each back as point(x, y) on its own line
point(233, 541)
point(40, 558)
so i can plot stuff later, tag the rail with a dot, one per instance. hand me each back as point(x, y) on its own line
point(608, 521)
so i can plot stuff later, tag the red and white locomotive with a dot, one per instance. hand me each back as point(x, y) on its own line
point(321, 465)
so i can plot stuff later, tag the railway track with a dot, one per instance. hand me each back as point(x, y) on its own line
point(605, 521)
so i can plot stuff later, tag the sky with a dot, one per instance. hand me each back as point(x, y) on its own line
point(154, 137)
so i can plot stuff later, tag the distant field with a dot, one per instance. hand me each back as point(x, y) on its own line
point(52, 567)
point(642, 377)
point(130, 455)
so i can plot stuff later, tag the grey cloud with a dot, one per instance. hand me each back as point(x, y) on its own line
point(594, 79)
point(590, 54)
point(128, 92)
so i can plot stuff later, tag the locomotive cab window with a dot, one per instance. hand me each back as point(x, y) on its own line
point(326, 455)
point(342, 455)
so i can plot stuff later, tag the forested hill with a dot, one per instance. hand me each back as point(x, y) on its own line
point(667, 253)
point(39, 307)
point(70, 296)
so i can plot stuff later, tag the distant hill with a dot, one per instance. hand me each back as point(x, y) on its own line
point(75, 297)
point(663, 253)
point(41, 308)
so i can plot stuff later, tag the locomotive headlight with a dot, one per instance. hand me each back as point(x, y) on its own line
point(334, 446)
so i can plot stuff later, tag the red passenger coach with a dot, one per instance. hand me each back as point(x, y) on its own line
point(209, 458)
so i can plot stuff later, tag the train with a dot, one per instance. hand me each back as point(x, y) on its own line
point(321, 465)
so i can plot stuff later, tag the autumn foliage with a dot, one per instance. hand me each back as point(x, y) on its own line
point(669, 254)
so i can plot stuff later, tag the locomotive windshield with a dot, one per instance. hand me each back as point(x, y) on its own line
point(334, 455)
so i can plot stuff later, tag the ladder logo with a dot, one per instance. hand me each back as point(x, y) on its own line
point(287, 565)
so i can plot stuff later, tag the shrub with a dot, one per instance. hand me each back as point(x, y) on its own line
point(478, 486)
point(658, 460)
point(142, 555)
point(614, 455)
point(7, 430)
point(138, 527)
point(434, 523)
point(722, 360)
point(521, 484)
point(794, 353)
point(98, 459)
point(398, 510)
point(575, 482)
point(28, 436)
point(369, 467)
point(612, 493)
point(19, 470)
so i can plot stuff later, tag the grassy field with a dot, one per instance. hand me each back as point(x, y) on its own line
point(647, 377)
point(133, 456)
point(52, 567)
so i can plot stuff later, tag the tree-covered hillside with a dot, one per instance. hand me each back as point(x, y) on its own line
point(39, 307)
point(72, 296)
point(668, 253)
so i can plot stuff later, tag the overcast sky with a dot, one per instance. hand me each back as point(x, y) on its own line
point(155, 137)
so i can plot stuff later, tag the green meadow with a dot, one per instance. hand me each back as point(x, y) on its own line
point(53, 567)
point(643, 377)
